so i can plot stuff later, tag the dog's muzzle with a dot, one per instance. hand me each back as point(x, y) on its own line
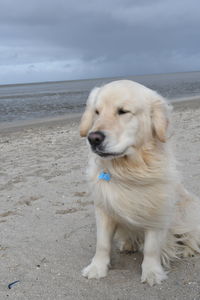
point(97, 143)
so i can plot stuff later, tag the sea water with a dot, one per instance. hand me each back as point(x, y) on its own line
point(23, 102)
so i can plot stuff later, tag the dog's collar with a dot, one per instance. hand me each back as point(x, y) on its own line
point(104, 176)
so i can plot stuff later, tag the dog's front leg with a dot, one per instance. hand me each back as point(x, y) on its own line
point(105, 231)
point(152, 271)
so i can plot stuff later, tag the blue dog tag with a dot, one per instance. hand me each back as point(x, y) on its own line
point(104, 176)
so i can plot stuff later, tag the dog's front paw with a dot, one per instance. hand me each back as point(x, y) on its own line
point(153, 275)
point(95, 270)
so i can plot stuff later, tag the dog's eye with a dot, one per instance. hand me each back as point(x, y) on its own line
point(122, 111)
point(96, 112)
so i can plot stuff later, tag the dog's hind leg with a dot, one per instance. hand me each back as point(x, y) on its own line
point(187, 223)
point(129, 240)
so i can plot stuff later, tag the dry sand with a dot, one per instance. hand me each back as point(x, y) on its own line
point(47, 221)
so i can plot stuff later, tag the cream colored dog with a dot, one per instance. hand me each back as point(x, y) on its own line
point(137, 192)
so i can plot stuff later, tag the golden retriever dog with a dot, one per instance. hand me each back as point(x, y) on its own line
point(136, 189)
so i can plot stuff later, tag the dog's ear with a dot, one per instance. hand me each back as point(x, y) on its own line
point(160, 119)
point(88, 115)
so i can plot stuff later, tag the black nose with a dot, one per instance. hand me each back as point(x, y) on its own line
point(96, 138)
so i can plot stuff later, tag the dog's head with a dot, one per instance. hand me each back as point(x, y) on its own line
point(123, 115)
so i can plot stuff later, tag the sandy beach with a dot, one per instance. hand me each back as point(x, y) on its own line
point(47, 220)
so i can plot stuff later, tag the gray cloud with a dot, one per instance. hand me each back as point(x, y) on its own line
point(60, 40)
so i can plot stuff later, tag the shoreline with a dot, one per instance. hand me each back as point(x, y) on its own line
point(7, 127)
point(185, 103)
point(179, 104)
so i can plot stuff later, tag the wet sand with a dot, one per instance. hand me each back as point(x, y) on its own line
point(47, 220)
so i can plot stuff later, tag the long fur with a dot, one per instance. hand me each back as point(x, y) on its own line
point(145, 193)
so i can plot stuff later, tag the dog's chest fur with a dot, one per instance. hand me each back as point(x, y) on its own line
point(130, 200)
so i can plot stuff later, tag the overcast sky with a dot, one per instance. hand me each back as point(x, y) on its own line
point(42, 40)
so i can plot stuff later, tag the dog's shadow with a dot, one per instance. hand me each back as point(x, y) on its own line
point(126, 260)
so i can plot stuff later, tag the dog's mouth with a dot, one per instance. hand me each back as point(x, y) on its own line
point(107, 154)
